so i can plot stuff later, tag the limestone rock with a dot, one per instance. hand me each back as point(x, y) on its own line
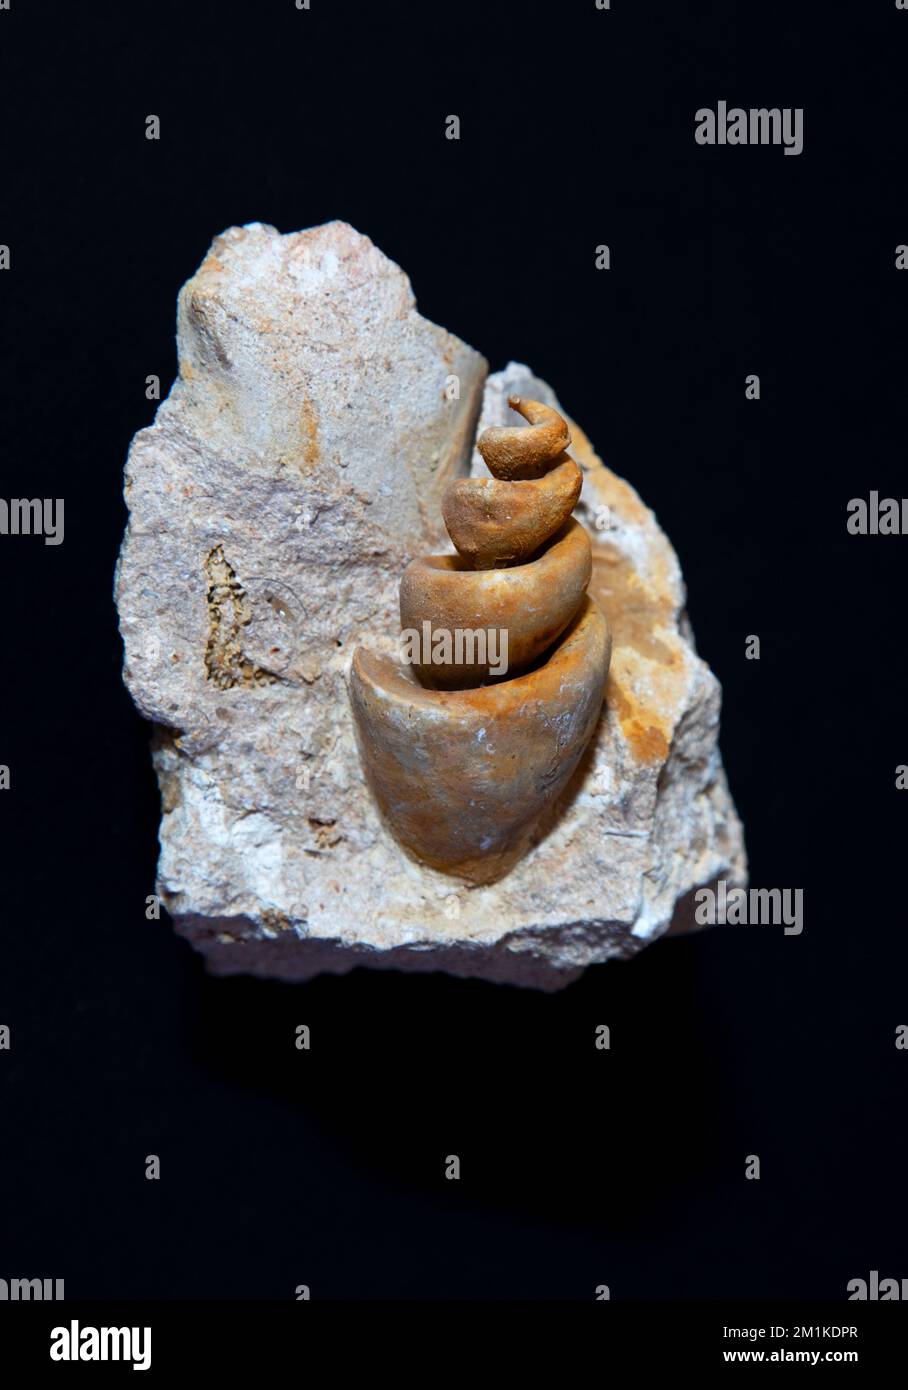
point(295, 469)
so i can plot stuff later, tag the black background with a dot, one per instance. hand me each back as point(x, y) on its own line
point(282, 1167)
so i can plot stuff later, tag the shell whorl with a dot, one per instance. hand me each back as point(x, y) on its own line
point(513, 453)
point(522, 564)
point(461, 764)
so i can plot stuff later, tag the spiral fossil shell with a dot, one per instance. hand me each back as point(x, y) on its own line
point(494, 523)
point(463, 759)
point(534, 602)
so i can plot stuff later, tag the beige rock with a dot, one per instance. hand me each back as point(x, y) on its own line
point(285, 484)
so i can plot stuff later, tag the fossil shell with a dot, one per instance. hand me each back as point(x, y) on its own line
point(463, 776)
point(494, 523)
point(533, 603)
point(511, 452)
point(463, 769)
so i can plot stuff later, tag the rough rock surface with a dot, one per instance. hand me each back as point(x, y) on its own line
point(296, 467)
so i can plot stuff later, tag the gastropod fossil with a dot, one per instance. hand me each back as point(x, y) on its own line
point(465, 753)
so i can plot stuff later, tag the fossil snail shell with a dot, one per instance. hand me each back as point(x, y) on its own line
point(462, 763)
point(534, 601)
